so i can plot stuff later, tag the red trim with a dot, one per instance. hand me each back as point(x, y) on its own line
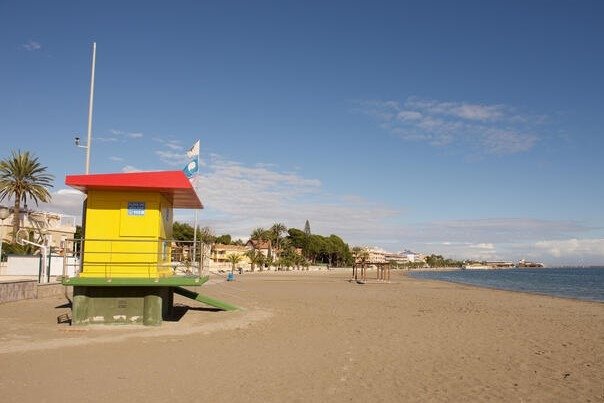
point(173, 184)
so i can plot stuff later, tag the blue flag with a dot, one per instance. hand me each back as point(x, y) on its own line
point(192, 166)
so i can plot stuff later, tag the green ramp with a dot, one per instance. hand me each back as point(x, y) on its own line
point(204, 299)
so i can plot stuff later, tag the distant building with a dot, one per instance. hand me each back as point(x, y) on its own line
point(413, 257)
point(376, 255)
point(220, 253)
point(55, 227)
point(524, 264)
point(263, 247)
point(397, 258)
point(380, 256)
point(499, 264)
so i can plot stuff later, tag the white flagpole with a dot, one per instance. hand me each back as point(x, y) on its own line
point(89, 141)
point(195, 243)
point(192, 172)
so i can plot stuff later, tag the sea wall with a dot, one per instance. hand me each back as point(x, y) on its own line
point(28, 289)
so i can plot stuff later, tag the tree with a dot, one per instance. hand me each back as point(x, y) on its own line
point(313, 250)
point(307, 228)
point(361, 255)
point(299, 260)
point(206, 235)
point(440, 261)
point(22, 177)
point(224, 239)
point(256, 258)
point(259, 234)
point(79, 233)
point(233, 260)
point(277, 229)
point(182, 232)
point(269, 261)
point(297, 237)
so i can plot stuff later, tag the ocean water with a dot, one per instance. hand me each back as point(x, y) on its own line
point(577, 283)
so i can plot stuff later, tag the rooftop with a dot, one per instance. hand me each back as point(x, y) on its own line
point(174, 185)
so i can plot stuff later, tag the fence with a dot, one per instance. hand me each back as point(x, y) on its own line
point(31, 265)
point(139, 258)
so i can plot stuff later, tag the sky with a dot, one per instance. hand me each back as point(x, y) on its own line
point(471, 129)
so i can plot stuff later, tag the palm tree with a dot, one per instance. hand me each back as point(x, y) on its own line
point(259, 234)
point(233, 260)
point(22, 177)
point(255, 257)
point(277, 229)
point(269, 261)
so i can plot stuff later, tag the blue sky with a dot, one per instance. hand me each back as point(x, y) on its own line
point(470, 128)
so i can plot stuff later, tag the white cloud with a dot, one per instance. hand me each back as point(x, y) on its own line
point(117, 159)
point(32, 46)
point(130, 168)
point(174, 145)
point(491, 129)
point(239, 198)
point(172, 158)
point(104, 139)
point(409, 115)
point(507, 142)
point(478, 112)
point(460, 110)
point(496, 238)
point(579, 249)
point(482, 246)
point(65, 201)
point(123, 136)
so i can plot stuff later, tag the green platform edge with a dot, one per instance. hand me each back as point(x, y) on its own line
point(175, 282)
point(205, 299)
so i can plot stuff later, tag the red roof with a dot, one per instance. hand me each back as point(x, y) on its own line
point(172, 184)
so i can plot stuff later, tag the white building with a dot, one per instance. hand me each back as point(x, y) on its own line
point(54, 227)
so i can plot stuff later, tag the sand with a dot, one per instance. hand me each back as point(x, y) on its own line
point(313, 336)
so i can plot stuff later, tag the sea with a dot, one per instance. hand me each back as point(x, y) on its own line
point(576, 283)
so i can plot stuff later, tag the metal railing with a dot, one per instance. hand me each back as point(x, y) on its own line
point(141, 258)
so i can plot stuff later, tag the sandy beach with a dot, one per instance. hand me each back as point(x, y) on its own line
point(314, 336)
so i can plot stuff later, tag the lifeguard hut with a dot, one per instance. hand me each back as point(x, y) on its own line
point(127, 273)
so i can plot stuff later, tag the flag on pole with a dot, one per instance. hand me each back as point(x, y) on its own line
point(192, 166)
point(190, 170)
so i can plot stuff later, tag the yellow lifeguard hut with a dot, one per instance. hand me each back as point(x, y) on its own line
point(126, 271)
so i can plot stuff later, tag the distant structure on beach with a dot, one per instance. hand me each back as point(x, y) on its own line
point(379, 256)
point(488, 265)
point(499, 264)
point(523, 263)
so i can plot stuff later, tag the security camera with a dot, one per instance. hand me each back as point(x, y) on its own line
point(77, 141)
